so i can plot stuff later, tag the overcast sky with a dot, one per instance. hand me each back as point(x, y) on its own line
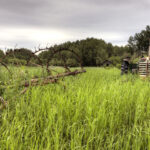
point(29, 23)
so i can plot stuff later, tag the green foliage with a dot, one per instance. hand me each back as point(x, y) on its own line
point(93, 52)
point(135, 61)
point(118, 66)
point(71, 63)
point(140, 41)
point(115, 60)
point(15, 61)
point(1, 54)
point(22, 53)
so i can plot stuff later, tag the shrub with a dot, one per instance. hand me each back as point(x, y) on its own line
point(16, 61)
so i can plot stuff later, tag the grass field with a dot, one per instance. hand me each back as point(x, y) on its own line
point(96, 110)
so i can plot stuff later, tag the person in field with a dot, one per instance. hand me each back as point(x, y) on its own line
point(125, 66)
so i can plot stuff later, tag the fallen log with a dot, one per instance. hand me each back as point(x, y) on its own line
point(44, 81)
point(67, 74)
point(50, 79)
point(39, 81)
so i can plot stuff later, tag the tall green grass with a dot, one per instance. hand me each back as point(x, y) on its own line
point(96, 110)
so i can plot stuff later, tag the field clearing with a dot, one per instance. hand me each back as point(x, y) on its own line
point(96, 110)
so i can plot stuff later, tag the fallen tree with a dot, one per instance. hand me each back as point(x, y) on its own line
point(40, 82)
point(50, 79)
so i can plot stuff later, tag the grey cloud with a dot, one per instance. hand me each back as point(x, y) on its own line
point(64, 13)
point(121, 16)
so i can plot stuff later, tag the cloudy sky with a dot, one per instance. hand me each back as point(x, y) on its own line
point(29, 23)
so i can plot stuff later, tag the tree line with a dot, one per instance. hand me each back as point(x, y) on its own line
point(92, 51)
